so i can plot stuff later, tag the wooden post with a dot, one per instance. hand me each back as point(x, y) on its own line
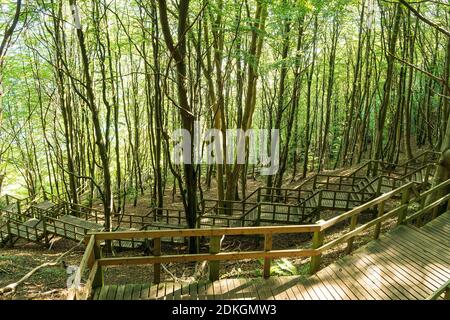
point(157, 266)
point(447, 293)
point(98, 278)
point(267, 247)
point(380, 182)
point(214, 247)
point(353, 223)
point(317, 242)
point(319, 202)
point(434, 213)
point(8, 227)
point(376, 233)
point(258, 218)
point(427, 174)
point(375, 170)
point(348, 200)
point(402, 213)
point(44, 225)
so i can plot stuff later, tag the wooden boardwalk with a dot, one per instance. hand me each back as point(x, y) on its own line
point(405, 264)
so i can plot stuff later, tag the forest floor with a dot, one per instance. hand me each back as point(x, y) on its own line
point(50, 282)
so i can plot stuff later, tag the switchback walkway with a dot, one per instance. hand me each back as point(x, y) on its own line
point(405, 263)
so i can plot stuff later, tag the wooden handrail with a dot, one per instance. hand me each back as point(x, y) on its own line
point(85, 260)
point(216, 232)
point(427, 208)
point(361, 228)
point(333, 221)
point(222, 256)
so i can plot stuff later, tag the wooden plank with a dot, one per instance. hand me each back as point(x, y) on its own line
point(348, 286)
point(217, 290)
point(299, 292)
point(373, 279)
point(424, 239)
point(144, 291)
point(284, 288)
point(436, 233)
point(170, 288)
point(96, 293)
point(431, 259)
point(358, 279)
point(279, 292)
point(176, 291)
point(330, 287)
point(237, 288)
point(161, 293)
point(246, 288)
point(103, 293)
point(224, 288)
point(425, 262)
point(128, 292)
point(304, 284)
point(193, 291)
point(262, 286)
point(270, 286)
point(340, 288)
point(209, 290)
point(404, 272)
point(136, 291)
point(387, 279)
point(440, 225)
point(120, 292)
point(202, 289)
point(302, 291)
point(253, 284)
point(153, 292)
point(425, 247)
point(234, 286)
point(185, 291)
point(111, 292)
point(417, 263)
point(320, 288)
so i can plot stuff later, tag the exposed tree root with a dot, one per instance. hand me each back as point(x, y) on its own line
point(11, 288)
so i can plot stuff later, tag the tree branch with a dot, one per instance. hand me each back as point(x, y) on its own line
point(421, 17)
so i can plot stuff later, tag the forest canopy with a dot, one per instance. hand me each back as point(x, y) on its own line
point(91, 90)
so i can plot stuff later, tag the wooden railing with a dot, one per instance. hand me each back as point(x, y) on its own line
point(228, 213)
point(93, 260)
point(17, 228)
point(375, 167)
point(336, 182)
point(21, 204)
point(427, 171)
point(65, 229)
point(425, 157)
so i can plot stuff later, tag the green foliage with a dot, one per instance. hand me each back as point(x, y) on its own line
point(282, 267)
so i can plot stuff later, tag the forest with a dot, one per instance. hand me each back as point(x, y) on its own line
point(92, 91)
